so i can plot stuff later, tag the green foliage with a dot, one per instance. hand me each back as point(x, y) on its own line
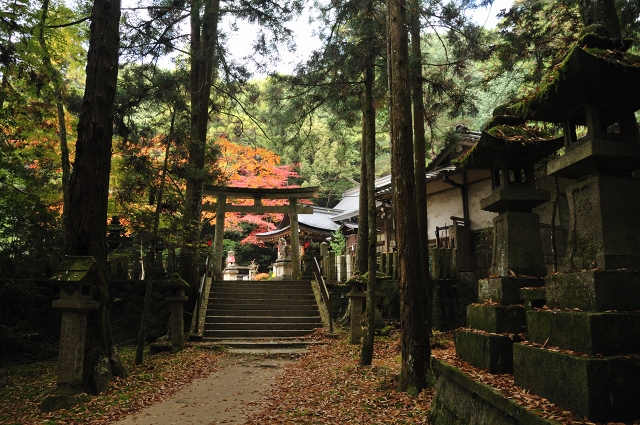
point(338, 242)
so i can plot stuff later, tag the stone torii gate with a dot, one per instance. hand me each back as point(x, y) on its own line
point(257, 194)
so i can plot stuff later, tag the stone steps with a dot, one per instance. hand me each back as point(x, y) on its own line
point(261, 315)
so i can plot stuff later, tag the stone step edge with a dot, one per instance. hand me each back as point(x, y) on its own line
point(246, 343)
point(521, 414)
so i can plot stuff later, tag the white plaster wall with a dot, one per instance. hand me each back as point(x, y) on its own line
point(440, 207)
point(479, 218)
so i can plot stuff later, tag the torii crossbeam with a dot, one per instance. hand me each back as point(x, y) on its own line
point(257, 194)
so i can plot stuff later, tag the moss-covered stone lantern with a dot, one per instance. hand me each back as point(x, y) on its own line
point(175, 290)
point(518, 260)
point(76, 277)
point(592, 308)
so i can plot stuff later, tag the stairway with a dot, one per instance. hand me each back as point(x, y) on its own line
point(246, 314)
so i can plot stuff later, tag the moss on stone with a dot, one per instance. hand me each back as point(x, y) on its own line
point(520, 133)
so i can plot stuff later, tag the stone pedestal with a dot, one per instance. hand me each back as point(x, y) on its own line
point(230, 274)
point(517, 245)
point(505, 290)
point(584, 352)
point(282, 269)
point(604, 230)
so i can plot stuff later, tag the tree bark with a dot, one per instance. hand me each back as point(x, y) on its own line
point(601, 12)
point(369, 141)
point(204, 30)
point(420, 152)
point(363, 216)
point(86, 227)
point(413, 301)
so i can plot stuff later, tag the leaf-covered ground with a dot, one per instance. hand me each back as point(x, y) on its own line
point(327, 386)
point(23, 388)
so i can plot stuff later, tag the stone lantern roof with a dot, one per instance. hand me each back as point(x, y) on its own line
point(594, 75)
point(518, 143)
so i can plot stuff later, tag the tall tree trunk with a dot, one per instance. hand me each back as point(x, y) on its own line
point(148, 276)
point(369, 140)
point(204, 30)
point(420, 152)
point(415, 334)
point(363, 216)
point(86, 228)
point(57, 81)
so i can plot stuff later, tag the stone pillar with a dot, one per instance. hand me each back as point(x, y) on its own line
point(357, 298)
point(324, 249)
point(295, 239)
point(342, 277)
point(382, 258)
point(76, 277)
point(331, 266)
point(349, 266)
point(324, 253)
point(218, 238)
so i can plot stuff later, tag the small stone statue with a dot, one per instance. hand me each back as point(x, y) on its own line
point(282, 249)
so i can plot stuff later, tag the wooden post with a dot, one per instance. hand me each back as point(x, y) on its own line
point(295, 239)
point(216, 260)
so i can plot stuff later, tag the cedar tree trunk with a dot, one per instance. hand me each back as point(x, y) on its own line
point(413, 297)
point(86, 229)
point(203, 41)
point(420, 152)
point(369, 145)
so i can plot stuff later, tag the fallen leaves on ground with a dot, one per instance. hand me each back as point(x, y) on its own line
point(162, 375)
point(328, 386)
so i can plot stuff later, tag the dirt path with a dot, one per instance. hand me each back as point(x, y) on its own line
point(220, 398)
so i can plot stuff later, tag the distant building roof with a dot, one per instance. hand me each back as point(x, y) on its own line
point(318, 224)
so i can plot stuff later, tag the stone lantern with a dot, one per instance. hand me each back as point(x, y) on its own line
point(593, 308)
point(116, 231)
point(518, 259)
point(76, 277)
point(175, 289)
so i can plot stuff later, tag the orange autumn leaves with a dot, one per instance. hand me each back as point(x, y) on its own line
point(250, 166)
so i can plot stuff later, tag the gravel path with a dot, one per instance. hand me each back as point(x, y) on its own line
point(220, 398)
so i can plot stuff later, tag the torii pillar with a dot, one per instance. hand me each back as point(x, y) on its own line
point(218, 238)
point(295, 239)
